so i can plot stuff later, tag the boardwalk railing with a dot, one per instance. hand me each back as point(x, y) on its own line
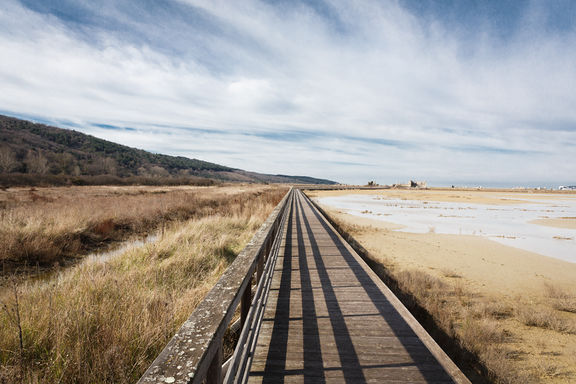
point(194, 354)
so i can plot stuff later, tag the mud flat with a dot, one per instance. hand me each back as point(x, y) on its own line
point(539, 223)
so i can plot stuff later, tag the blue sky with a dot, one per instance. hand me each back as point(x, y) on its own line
point(450, 91)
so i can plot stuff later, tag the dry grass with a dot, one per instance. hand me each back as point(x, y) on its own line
point(492, 309)
point(45, 226)
point(477, 324)
point(485, 326)
point(450, 273)
point(562, 300)
point(501, 367)
point(477, 334)
point(473, 322)
point(104, 322)
point(546, 318)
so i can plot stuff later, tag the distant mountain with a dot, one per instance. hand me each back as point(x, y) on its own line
point(47, 152)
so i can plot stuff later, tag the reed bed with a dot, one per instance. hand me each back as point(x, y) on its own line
point(105, 322)
point(47, 226)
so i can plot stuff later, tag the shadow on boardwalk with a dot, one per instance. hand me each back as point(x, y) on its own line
point(327, 319)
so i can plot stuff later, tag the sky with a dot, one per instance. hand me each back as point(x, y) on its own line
point(465, 92)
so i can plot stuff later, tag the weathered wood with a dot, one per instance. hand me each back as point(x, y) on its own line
point(188, 355)
point(318, 314)
point(241, 359)
point(246, 302)
point(214, 374)
point(260, 268)
point(330, 319)
point(455, 372)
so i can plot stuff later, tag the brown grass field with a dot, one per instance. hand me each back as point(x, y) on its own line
point(508, 314)
point(105, 321)
point(45, 226)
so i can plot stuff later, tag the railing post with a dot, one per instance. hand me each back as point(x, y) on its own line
point(269, 245)
point(214, 374)
point(246, 302)
point(260, 268)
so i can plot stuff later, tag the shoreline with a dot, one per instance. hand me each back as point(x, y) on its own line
point(540, 224)
point(471, 196)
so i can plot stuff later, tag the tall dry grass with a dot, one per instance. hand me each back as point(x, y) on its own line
point(547, 318)
point(104, 322)
point(45, 226)
point(482, 326)
point(561, 300)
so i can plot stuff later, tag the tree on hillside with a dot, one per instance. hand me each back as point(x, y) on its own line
point(62, 163)
point(7, 159)
point(157, 171)
point(36, 162)
point(109, 165)
point(101, 165)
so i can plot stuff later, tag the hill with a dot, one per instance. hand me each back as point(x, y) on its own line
point(31, 151)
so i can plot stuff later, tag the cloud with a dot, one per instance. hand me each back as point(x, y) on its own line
point(347, 90)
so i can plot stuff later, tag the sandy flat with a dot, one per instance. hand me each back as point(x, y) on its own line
point(496, 197)
point(484, 265)
point(561, 222)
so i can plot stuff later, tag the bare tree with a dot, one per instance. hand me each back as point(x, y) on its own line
point(109, 165)
point(36, 162)
point(102, 165)
point(158, 171)
point(7, 159)
point(62, 163)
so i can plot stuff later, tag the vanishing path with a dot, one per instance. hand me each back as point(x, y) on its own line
point(329, 318)
point(311, 310)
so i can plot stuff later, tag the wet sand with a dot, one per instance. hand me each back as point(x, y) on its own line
point(496, 197)
point(510, 219)
point(563, 222)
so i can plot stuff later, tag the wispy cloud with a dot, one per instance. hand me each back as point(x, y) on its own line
point(347, 90)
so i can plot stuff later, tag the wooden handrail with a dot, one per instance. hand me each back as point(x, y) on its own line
point(194, 354)
point(238, 366)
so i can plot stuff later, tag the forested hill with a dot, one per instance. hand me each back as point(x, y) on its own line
point(48, 153)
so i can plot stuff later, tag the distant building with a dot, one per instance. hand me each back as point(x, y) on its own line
point(567, 187)
point(417, 184)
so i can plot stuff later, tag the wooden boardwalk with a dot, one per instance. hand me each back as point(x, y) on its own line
point(330, 319)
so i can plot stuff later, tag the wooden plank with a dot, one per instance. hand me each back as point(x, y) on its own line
point(327, 319)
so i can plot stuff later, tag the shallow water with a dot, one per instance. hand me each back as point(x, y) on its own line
point(45, 274)
point(506, 224)
point(103, 256)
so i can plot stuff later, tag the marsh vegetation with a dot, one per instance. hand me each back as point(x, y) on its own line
point(52, 225)
point(104, 322)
